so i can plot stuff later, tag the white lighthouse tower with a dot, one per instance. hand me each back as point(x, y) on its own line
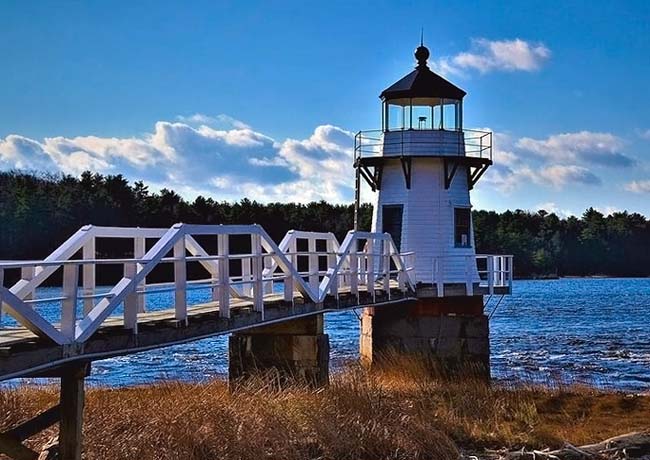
point(422, 165)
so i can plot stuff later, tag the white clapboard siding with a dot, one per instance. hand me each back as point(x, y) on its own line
point(428, 217)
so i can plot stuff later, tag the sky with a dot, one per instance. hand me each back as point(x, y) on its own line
point(262, 99)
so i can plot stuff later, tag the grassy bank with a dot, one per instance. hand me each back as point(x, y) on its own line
point(359, 416)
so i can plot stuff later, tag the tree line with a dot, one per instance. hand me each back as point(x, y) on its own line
point(38, 212)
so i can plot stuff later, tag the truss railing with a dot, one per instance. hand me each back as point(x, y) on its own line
point(363, 261)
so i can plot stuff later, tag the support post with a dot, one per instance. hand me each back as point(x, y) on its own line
point(89, 274)
point(267, 263)
point(440, 283)
point(247, 287)
point(68, 413)
point(258, 267)
point(131, 301)
point(180, 280)
point(139, 249)
point(357, 196)
point(370, 267)
point(469, 284)
point(224, 275)
point(386, 264)
point(354, 269)
point(27, 274)
point(401, 277)
point(313, 265)
point(288, 280)
point(489, 268)
point(72, 407)
point(331, 263)
point(510, 272)
point(69, 305)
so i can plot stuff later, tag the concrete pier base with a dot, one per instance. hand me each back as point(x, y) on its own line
point(451, 334)
point(296, 350)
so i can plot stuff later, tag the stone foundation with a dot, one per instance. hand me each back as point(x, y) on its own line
point(295, 350)
point(450, 333)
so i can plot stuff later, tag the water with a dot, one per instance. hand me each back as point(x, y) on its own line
point(591, 331)
point(575, 330)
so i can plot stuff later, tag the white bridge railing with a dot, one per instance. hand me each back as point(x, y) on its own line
point(357, 264)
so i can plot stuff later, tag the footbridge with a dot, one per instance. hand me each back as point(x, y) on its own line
point(56, 313)
point(190, 282)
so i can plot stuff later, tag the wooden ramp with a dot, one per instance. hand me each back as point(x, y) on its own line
point(23, 353)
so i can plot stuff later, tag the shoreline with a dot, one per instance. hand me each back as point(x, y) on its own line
point(511, 382)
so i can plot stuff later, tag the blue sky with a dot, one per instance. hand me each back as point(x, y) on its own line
point(259, 98)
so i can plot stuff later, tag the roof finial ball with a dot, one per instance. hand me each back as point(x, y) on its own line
point(422, 54)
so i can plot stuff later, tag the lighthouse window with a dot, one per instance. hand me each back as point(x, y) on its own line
point(391, 222)
point(462, 227)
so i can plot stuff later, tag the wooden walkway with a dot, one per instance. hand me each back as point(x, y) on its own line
point(22, 353)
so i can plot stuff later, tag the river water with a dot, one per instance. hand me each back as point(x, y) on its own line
point(593, 331)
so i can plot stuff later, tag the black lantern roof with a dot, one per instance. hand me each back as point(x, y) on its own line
point(422, 83)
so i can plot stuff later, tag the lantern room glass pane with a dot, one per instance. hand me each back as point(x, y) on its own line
point(422, 117)
point(396, 118)
point(437, 116)
point(449, 117)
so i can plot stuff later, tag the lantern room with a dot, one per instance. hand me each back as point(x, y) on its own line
point(422, 100)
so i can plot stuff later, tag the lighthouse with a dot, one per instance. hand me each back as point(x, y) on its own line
point(422, 165)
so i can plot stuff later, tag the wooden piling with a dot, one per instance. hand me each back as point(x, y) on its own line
point(72, 407)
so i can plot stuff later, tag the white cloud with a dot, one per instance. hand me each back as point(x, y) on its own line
point(226, 163)
point(496, 55)
point(608, 210)
point(276, 161)
point(23, 153)
point(638, 186)
point(217, 121)
point(242, 162)
point(560, 175)
point(508, 171)
point(322, 164)
point(512, 169)
point(582, 147)
point(552, 207)
point(78, 154)
point(508, 179)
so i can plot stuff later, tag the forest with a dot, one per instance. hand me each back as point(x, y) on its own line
point(38, 212)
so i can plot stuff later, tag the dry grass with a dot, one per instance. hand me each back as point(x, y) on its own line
point(400, 415)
